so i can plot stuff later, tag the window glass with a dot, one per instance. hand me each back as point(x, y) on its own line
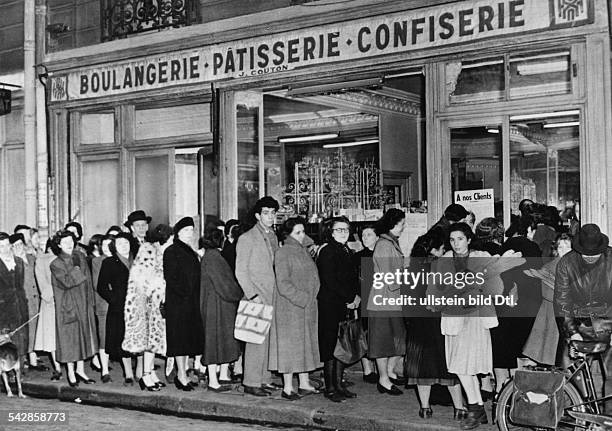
point(545, 160)
point(97, 128)
point(186, 182)
point(100, 195)
point(475, 80)
point(172, 121)
point(14, 182)
point(151, 187)
point(541, 73)
point(248, 158)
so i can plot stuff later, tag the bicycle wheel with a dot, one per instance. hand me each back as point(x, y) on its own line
point(571, 398)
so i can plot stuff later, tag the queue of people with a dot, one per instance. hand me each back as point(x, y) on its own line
point(136, 293)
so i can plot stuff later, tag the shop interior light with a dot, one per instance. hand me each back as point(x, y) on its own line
point(544, 115)
point(493, 130)
point(308, 138)
point(335, 87)
point(481, 64)
point(351, 144)
point(563, 124)
point(402, 74)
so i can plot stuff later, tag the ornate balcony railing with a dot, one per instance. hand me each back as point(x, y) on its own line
point(121, 18)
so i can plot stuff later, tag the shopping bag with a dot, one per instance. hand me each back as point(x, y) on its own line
point(537, 400)
point(352, 344)
point(252, 322)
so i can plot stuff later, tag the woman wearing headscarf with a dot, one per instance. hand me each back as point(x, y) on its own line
point(18, 243)
point(337, 297)
point(112, 286)
point(45, 329)
point(145, 328)
point(75, 326)
point(387, 334)
point(294, 345)
point(184, 331)
point(12, 296)
point(220, 295)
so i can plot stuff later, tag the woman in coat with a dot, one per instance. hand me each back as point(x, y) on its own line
point(294, 344)
point(18, 243)
point(112, 286)
point(338, 296)
point(387, 333)
point(145, 328)
point(220, 295)
point(75, 326)
point(184, 332)
point(99, 254)
point(13, 302)
point(45, 329)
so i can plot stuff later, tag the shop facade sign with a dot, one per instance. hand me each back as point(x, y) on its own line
point(405, 31)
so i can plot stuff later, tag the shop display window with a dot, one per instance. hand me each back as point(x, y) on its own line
point(480, 80)
point(248, 158)
point(97, 128)
point(151, 186)
point(100, 183)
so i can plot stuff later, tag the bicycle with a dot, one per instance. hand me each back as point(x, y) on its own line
point(581, 405)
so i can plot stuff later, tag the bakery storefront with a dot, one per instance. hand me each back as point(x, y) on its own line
point(490, 100)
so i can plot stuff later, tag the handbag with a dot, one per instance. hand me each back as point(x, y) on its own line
point(352, 344)
point(253, 321)
point(537, 399)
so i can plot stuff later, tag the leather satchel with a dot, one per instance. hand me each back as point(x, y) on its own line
point(538, 398)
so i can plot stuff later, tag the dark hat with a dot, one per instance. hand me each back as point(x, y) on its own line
point(135, 216)
point(16, 237)
point(182, 223)
point(590, 241)
point(455, 212)
point(21, 227)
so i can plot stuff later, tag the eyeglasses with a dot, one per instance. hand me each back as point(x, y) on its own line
point(341, 230)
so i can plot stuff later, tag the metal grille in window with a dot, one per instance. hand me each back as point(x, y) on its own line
point(125, 17)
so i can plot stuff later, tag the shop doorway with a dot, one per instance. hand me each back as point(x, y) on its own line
point(351, 148)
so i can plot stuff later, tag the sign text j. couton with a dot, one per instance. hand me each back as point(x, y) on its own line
point(389, 34)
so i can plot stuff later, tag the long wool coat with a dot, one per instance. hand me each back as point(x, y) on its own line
point(32, 296)
point(219, 298)
point(145, 328)
point(45, 329)
point(184, 331)
point(13, 304)
point(74, 314)
point(339, 285)
point(112, 286)
point(294, 340)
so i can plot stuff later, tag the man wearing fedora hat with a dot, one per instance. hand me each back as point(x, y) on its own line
point(138, 223)
point(583, 284)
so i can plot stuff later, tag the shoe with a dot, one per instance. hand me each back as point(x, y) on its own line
point(57, 375)
point(346, 393)
point(316, 383)
point(271, 387)
point(475, 417)
point(143, 386)
point(39, 367)
point(181, 387)
point(398, 381)
point(95, 368)
point(84, 380)
point(233, 381)
point(459, 414)
point(73, 384)
point(106, 378)
point(128, 382)
point(258, 392)
point(160, 384)
point(370, 378)
point(291, 397)
point(221, 388)
point(393, 391)
point(170, 377)
point(334, 396)
point(487, 395)
point(425, 412)
point(305, 392)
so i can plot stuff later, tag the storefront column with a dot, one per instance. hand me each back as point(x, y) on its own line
point(29, 111)
point(41, 127)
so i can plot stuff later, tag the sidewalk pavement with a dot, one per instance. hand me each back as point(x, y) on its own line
point(370, 411)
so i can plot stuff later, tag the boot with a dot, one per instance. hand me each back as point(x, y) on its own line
point(328, 376)
point(476, 416)
point(338, 384)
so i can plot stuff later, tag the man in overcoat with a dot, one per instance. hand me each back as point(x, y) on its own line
point(255, 274)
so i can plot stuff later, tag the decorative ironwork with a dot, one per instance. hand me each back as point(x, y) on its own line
point(121, 18)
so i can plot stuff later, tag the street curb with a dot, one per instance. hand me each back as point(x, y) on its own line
point(226, 408)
